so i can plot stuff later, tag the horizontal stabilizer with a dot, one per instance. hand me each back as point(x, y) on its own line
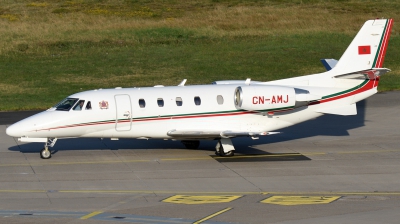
point(340, 110)
point(366, 74)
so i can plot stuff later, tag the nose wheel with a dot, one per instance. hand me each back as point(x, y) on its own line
point(45, 153)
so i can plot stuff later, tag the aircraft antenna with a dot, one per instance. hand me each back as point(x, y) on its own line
point(182, 83)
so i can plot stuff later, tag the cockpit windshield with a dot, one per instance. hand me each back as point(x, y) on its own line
point(66, 104)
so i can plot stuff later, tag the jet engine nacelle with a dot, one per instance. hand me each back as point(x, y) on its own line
point(265, 98)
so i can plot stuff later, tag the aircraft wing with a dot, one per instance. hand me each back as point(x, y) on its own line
point(211, 134)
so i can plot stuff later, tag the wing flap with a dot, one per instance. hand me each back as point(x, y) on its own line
point(207, 134)
point(194, 133)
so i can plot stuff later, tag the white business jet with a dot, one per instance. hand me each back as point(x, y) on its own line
point(221, 111)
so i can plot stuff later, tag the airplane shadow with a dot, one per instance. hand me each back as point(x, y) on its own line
point(265, 157)
point(327, 125)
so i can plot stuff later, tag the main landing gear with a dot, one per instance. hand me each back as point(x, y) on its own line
point(225, 148)
point(45, 153)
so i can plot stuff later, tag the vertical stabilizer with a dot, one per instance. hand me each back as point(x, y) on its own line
point(368, 48)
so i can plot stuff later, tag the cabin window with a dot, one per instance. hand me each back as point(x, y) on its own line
point(142, 103)
point(179, 101)
point(79, 105)
point(66, 104)
point(197, 100)
point(160, 102)
point(88, 106)
point(220, 100)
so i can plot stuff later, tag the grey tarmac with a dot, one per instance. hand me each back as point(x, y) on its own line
point(334, 169)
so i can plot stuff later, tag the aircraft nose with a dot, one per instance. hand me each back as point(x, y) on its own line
point(17, 130)
point(13, 131)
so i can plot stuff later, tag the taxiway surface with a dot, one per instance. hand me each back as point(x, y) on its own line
point(333, 169)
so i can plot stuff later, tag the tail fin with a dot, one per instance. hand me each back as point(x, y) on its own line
point(368, 48)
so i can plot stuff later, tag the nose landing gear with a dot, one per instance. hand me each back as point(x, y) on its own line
point(45, 153)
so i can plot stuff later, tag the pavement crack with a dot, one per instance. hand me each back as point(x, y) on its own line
point(242, 177)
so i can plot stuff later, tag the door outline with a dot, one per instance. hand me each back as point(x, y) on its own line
point(123, 112)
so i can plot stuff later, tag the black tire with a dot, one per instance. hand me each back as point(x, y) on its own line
point(45, 154)
point(225, 154)
point(191, 144)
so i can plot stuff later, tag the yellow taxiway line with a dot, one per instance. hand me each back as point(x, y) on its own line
point(90, 215)
point(212, 216)
point(206, 157)
point(237, 193)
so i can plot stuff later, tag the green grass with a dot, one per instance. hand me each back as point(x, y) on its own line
point(57, 48)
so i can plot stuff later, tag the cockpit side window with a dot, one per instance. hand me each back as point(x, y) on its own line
point(79, 105)
point(88, 106)
point(66, 104)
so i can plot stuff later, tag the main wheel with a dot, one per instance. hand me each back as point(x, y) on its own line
point(45, 154)
point(191, 144)
point(225, 154)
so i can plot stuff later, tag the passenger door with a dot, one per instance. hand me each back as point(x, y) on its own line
point(123, 120)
